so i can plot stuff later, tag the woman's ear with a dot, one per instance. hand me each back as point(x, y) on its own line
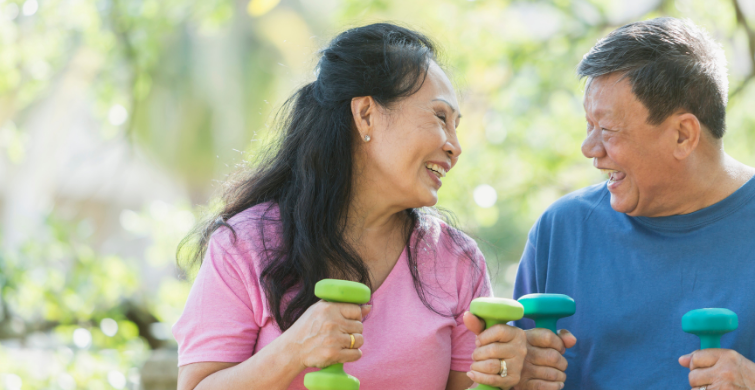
point(688, 130)
point(363, 110)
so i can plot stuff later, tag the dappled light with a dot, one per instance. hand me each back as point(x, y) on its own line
point(121, 119)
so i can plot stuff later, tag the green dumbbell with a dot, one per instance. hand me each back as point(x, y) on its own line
point(547, 309)
point(334, 377)
point(709, 325)
point(495, 311)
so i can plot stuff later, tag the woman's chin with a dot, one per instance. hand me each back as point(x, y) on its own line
point(431, 199)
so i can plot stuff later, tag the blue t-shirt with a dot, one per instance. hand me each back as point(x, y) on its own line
point(633, 278)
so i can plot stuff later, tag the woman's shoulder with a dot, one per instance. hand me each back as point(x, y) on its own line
point(443, 237)
point(455, 259)
point(247, 230)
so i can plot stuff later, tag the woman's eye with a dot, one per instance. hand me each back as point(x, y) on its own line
point(441, 117)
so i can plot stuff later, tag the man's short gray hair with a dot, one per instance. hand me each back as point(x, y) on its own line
point(671, 64)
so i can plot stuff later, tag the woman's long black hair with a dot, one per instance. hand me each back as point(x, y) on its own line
point(310, 173)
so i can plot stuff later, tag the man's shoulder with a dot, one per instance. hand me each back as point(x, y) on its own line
point(580, 204)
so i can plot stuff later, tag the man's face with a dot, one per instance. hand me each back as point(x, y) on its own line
point(637, 156)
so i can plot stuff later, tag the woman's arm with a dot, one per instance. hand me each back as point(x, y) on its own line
point(271, 368)
point(458, 380)
point(319, 338)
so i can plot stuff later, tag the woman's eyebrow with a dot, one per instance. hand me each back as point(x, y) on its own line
point(453, 109)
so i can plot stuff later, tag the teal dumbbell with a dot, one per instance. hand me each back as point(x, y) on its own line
point(334, 377)
point(547, 309)
point(495, 311)
point(710, 325)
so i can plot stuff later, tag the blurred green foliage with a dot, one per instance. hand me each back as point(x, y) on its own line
point(199, 81)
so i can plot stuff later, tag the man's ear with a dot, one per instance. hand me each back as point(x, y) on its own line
point(363, 110)
point(688, 132)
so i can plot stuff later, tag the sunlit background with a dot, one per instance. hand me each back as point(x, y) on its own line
point(120, 119)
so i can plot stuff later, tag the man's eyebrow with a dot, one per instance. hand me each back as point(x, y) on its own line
point(453, 109)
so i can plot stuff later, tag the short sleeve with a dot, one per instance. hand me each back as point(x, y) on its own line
point(218, 322)
point(526, 275)
point(475, 283)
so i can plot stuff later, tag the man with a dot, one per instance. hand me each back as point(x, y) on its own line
point(672, 230)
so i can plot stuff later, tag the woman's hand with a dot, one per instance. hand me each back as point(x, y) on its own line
point(320, 337)
point(496, 344)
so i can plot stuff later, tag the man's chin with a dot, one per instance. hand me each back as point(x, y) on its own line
point(623, 205)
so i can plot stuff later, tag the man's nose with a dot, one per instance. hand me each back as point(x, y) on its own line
point(592, 146)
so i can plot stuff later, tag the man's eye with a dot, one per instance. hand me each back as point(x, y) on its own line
point(441, 117)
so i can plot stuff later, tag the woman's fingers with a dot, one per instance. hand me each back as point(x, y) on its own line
point(499, 351)
point(490, 366)
point(473, 323)
point(495, 380)
point(500, 334)
point(351, 326)
point(349, 355)
point(501, 342)
point(494, 345)
point(349, 311)
point(358, 340)
point(325, 333)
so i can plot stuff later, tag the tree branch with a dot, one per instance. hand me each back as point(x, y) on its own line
point(122, 31)
point(742, 21)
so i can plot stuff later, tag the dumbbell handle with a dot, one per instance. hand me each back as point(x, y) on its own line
point(710, 341)
point(547, 323)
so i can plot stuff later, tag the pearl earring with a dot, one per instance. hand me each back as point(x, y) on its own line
point(367, 138)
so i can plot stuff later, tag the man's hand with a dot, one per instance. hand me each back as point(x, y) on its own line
point(545, 366)
point(719, 369)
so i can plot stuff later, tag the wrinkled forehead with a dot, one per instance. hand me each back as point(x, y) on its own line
point(606, 94)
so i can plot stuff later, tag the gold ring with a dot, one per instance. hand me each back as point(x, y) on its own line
point(504, 371)
point(353, 340)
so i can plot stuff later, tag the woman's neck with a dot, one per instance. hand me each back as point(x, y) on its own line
point(377, 234)
point(370, 221)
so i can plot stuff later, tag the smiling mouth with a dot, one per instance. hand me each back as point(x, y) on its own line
point(437, 169)
point(613, 175)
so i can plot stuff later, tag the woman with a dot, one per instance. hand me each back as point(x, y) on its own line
point(363, 149)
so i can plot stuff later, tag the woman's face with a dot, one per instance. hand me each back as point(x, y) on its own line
point(412, 144)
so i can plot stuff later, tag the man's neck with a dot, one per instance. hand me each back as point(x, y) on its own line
point(711, 178)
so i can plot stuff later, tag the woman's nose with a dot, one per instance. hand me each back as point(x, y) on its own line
point(452, 147)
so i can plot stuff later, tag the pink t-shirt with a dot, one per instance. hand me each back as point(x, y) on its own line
point(406, 345)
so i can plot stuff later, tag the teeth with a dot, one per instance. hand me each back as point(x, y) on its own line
point(610, 173)
point(436, 168)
